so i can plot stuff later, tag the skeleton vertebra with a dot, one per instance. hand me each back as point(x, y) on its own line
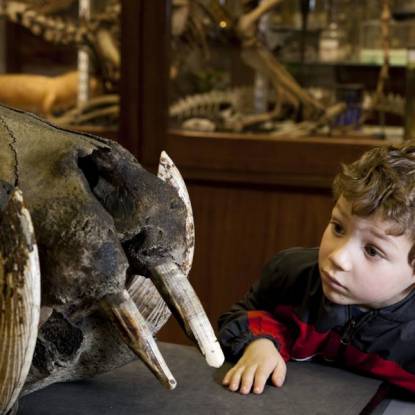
point(209, 103)
point(106, 229)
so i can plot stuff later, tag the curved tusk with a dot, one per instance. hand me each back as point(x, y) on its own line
point(19, 299)
point(134, 331)
point(168, 172)
point(171, 281)
point(183, 302)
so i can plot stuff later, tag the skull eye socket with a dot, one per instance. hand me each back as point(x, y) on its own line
point(132, 249)
point(137, 240)
point(89, 169)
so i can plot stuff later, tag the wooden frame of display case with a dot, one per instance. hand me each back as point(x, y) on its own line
point(252, 195)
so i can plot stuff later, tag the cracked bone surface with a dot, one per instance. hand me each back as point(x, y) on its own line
point(102, 223)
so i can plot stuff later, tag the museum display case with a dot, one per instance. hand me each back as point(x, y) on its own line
point(261, 181)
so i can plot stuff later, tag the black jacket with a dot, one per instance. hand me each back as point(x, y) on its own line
point(287, 305)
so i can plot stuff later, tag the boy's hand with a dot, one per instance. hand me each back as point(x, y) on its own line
point(260, 359)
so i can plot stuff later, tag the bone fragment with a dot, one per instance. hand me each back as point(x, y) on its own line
point(133, 329)
point(108, 48)
point(247, 23)
point(258, 57)
point(95, 107)
point(19, 299)
point(183, 302)
point(168, 172)
point(264, 62)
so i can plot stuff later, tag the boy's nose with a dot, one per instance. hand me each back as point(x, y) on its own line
point(341, 258)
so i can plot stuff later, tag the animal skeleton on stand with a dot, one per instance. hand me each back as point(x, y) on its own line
point(94, 251)
point(193, 109)
point(256, 55)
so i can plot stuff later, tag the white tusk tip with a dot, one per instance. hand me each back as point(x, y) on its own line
point(214, 356)
point(172, 384)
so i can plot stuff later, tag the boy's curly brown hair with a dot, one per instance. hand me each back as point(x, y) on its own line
point(383, 180)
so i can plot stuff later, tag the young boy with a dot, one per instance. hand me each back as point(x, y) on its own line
point(350, 301)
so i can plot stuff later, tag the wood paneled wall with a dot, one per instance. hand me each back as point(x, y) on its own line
point(238, 228)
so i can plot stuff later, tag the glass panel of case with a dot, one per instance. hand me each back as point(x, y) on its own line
point(61, 60)
point(293, 67)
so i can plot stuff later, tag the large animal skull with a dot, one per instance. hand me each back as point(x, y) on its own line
point(111, 239)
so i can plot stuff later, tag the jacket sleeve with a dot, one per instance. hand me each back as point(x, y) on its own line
point(252, 318)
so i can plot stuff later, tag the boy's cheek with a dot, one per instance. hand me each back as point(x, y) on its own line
point(335, 297)
point(325, 245)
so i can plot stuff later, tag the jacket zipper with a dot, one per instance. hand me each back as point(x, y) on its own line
point(353, 326)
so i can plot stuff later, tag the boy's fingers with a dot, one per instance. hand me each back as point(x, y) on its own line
point(235, 379)
point(247, 379)
point(279, 373)
point(229, 374)
point(227, 377)
point(261, 377)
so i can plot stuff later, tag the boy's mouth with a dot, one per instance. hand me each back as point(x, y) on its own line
point(331, 281)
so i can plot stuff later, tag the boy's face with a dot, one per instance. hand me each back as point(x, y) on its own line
point(360, 263)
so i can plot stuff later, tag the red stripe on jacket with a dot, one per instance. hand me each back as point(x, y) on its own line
point(299, 340)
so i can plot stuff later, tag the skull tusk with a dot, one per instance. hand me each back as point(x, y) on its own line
point(134, 331)
point(172, 282)
point(19, 299)
point(179, 295)
point(168, 172)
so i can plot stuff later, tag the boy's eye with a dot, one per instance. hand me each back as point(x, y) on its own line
point(337, 228)
point(372, 251)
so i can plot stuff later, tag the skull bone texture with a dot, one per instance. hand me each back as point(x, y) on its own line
point(94, 256)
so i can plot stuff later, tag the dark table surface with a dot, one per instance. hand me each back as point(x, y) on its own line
point(310, 388)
